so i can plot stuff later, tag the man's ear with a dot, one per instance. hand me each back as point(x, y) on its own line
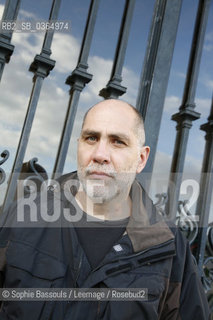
point(144, 154)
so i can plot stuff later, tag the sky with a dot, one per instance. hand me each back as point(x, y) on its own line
point(16, 84)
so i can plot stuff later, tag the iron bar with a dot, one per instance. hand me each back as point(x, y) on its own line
point(10, 13)
point(155, 75)
point(46, 48)
point(150, 58)
point(41, 67)
point(186, 113)
point(77, 81)
point(113, 88)
point(206, 187)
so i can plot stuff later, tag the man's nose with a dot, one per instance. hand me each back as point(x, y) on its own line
point(101, 153)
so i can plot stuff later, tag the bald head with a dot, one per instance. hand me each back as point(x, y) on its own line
point(120, 107)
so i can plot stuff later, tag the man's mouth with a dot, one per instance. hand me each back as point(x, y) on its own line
point(99, 175)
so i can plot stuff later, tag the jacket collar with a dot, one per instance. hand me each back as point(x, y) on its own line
point(146, 227)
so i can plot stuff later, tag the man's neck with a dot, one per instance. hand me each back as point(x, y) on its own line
point(115, 209)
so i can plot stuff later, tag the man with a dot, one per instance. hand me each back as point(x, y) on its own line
point(112, 236)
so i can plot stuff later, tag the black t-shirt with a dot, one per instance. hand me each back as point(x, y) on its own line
point(98, 236)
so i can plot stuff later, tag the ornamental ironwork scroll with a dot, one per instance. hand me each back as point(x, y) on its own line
point(188, 224)
point(4, 155)
point(32, 176)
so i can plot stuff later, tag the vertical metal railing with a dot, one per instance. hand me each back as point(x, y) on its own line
point(41, 67)
point(114, 89)
point(155, 75)
point(186, 114)
point(10, 13)
point(77, 80)
point(206, 187)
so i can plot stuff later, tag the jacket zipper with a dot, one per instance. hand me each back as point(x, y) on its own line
point(150, 249)
point(141, 253)
point(135, 255)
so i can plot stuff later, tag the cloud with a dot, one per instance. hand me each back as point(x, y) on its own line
point(23, 14)
point(209, 36)
point(208, 44)
point(172, 104)
point(209, 84)
point(163, 162)
point(1, 10)
point(16, 83)
point(129, 80)
point(208, 47)
point(53, 101)
point(203, 106)
point(27, 45)
point(16, 87)
point(70, 47)
point(162, 166)
point(101, 69)
point(9, 136)
point(181, 75)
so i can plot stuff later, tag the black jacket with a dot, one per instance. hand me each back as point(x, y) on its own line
point(154, 255)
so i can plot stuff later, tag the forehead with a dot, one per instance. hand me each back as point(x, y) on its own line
point(110, 118)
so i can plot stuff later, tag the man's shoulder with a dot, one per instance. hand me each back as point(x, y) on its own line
point(43, 207)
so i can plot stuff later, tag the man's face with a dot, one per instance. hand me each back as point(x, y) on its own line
point(109, 155)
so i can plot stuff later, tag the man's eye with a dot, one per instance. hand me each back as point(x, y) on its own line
point(92, 138)
point(117, 141)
